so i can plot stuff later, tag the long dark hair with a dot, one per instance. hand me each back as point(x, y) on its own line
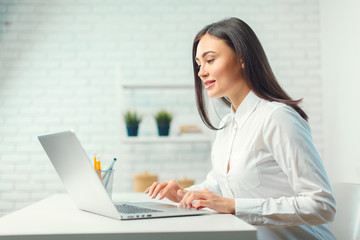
point(257, 71)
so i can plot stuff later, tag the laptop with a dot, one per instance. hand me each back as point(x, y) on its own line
point(86, 189)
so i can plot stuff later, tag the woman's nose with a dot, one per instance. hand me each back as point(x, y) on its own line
point(202, 72)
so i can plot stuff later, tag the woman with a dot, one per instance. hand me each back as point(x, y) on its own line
point(265, 168)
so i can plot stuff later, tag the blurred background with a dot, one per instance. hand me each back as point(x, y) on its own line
point(76, 64)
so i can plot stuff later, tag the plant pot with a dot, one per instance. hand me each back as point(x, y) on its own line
point(163, 130)
point(132, 131)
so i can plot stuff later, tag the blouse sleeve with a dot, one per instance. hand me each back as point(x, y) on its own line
point(209, 183)
point(288, 137)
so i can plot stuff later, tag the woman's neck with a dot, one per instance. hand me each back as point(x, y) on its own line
point(239, 98)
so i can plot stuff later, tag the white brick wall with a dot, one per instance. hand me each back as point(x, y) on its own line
point(62, 62)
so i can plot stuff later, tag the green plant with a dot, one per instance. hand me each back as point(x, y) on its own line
point(132, 119)
point(163, 118)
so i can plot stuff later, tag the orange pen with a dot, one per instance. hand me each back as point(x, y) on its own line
point(97, 166)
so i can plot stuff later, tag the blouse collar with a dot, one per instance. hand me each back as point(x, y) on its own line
point(245, 109)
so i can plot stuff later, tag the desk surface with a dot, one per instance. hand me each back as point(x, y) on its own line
point(57, 217)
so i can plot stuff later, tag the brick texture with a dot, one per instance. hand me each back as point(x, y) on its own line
point(63, 63)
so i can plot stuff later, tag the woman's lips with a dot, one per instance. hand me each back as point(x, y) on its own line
point(209, 83)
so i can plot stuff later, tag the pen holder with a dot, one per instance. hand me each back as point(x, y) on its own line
point(107, 178)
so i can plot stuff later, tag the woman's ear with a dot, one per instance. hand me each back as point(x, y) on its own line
point(242, 63)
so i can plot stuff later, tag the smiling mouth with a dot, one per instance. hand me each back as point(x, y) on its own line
point(209, 83)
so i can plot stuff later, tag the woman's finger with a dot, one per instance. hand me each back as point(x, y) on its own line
point(159, 187)
point(184, 201)
point(181, 193)
point(164, 191)
point(194, 197)
point(202, 204)
point(181, 203)
point(191, 197)
point(152, 187)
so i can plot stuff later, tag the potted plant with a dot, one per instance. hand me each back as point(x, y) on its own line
point(132, 123)
point(163, 120)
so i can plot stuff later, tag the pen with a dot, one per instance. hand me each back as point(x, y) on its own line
point(112, 165)
point(97, 166)
point(107, 172)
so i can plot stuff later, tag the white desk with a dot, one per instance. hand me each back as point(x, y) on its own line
point(57, 217)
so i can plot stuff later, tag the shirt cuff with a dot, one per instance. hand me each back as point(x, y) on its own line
point(249, 209)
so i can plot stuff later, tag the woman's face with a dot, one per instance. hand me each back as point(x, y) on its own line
point(219, 68)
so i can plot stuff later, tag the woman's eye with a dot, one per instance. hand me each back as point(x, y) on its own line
point(210, 60)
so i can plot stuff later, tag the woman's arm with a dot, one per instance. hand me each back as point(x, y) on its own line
point(288, 138)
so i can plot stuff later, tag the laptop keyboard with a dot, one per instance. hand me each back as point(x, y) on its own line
point(128, 209)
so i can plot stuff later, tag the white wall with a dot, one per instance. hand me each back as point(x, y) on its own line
point(58, 70)
point(340, 38)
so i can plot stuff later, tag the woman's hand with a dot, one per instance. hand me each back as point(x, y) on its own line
point(169, 189)
point(206, 198)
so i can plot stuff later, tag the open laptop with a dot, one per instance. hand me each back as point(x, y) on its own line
point(86, 189)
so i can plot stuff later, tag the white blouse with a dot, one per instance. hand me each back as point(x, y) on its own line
point(276, 176)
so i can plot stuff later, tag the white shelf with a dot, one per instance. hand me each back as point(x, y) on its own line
point(129, 85)
point(169, 139)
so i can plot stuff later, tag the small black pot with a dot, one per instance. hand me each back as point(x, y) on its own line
point(163, 130)
point(132, 131)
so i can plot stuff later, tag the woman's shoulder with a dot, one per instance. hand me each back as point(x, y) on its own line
point(283, 121)
point(280, 113)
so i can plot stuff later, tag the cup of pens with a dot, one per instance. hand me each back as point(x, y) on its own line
point(106, 176)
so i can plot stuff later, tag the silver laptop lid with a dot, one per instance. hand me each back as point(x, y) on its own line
point(77, 173)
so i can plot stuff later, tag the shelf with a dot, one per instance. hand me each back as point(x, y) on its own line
point(156, 86)
point(170, 139)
